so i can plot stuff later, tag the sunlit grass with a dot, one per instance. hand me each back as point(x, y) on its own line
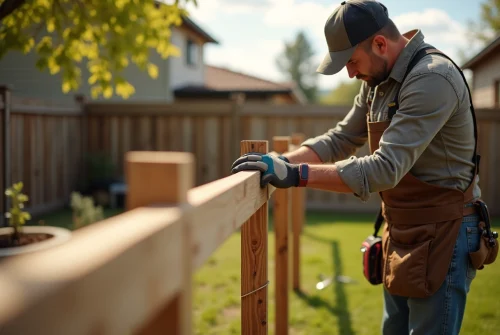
point(330, 246)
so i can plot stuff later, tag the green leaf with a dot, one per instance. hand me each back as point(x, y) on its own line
point(104, 36)
point(153, 70)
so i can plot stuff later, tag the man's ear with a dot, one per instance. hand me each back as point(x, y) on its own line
point(380, 44)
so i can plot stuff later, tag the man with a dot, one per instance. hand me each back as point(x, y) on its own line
point(421, 129)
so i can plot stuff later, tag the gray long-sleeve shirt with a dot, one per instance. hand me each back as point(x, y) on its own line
point(431, 135)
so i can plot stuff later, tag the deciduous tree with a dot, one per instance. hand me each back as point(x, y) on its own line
point(103, 35)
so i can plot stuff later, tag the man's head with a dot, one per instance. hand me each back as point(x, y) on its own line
point(361, 37)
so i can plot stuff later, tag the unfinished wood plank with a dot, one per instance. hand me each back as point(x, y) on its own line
point(254, 278)
point(113, 138)
point(40, 182)
point(187, 130)
point(281, 219)
point(107, 279)
point(165, 177)
point(161, 133)
point(201, 108)
point(65, 157)
point(212, 156)
point(220, 208)
point(298, 214)
point(148, 186)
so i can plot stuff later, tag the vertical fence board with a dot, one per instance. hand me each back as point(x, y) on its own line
point(254, 276)
point(281, 219)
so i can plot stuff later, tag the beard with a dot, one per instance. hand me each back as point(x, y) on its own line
point(379, 74)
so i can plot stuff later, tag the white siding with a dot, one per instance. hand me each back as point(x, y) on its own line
point(181, 73)
point(485, 76)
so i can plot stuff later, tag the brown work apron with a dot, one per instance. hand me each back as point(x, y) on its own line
point(422, 226)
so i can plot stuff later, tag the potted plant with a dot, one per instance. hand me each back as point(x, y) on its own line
point(18, 238)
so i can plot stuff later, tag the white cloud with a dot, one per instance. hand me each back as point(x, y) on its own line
point(288, 13)
point(438, 27)
point(207, 10)
point(258, 61)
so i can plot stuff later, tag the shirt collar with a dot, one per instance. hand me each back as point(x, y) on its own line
point(416, 40)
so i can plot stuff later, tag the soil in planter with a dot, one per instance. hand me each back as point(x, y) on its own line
point(6, 241)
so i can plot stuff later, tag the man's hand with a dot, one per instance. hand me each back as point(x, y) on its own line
point(274, 170)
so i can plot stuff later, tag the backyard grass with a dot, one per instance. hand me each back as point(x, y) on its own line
point(330, 246)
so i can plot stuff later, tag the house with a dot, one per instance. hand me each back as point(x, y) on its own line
point(485, 67)
point(179, 78)
point(222, 84)
point(20, 73)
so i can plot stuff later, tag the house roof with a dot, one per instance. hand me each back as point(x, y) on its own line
point(494, 46)
point(189, 24)
point(220, 78)
point(221, 81)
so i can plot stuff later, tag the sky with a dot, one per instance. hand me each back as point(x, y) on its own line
point(252, 33)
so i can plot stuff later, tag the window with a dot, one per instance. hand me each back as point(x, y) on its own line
point(191, 53)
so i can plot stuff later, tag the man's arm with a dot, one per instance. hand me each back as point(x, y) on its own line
point(427, 102)
point(303, 155)
point(340, 142)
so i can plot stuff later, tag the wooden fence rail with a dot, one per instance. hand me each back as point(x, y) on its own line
point(132, 273)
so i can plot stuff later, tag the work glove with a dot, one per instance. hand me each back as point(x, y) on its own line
point(275, 170)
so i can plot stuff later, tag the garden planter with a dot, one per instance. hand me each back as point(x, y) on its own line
point(33, 238)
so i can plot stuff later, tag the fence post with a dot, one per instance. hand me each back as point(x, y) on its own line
point(298, 213)
point(281, 219)
point(159, 178)
point(6, 164)
point(254, 278)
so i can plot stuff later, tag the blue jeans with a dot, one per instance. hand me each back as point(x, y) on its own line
point(441, 313)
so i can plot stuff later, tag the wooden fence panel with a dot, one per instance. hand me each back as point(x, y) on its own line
point(208, 131)
point(46, 155)
point(48, 144)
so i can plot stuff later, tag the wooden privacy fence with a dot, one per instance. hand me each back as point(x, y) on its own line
point(48, 144)
point(132, 274)
point(210, 129)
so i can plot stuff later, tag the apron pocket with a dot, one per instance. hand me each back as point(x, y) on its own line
point(406, 269)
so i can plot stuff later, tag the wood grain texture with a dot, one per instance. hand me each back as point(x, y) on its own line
point(186, 126)
point(282, 235)
point(222, 207)
point(298, 215)
point(107, 279)
point(254, 261)
point(160, 178)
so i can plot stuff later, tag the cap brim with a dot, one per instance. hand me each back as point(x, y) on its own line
point(335, 61)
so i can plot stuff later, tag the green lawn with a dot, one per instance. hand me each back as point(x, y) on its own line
point(330, 246)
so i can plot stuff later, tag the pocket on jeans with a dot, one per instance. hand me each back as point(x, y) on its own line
point(473, 240)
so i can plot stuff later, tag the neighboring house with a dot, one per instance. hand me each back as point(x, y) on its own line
point(186, 77)
point(223, 84)
point(485, 67)
point(19, 71)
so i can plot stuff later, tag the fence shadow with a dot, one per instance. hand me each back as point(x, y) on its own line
point(341, 307)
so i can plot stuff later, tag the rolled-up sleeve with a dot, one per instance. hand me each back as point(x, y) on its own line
point(348, 135)
point(426, 102)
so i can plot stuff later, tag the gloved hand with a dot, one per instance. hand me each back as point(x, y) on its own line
point(274, 170)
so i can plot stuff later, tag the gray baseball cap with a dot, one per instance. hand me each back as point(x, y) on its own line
point(350, 24)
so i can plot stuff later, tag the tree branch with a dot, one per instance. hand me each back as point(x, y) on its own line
point(8, 6)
